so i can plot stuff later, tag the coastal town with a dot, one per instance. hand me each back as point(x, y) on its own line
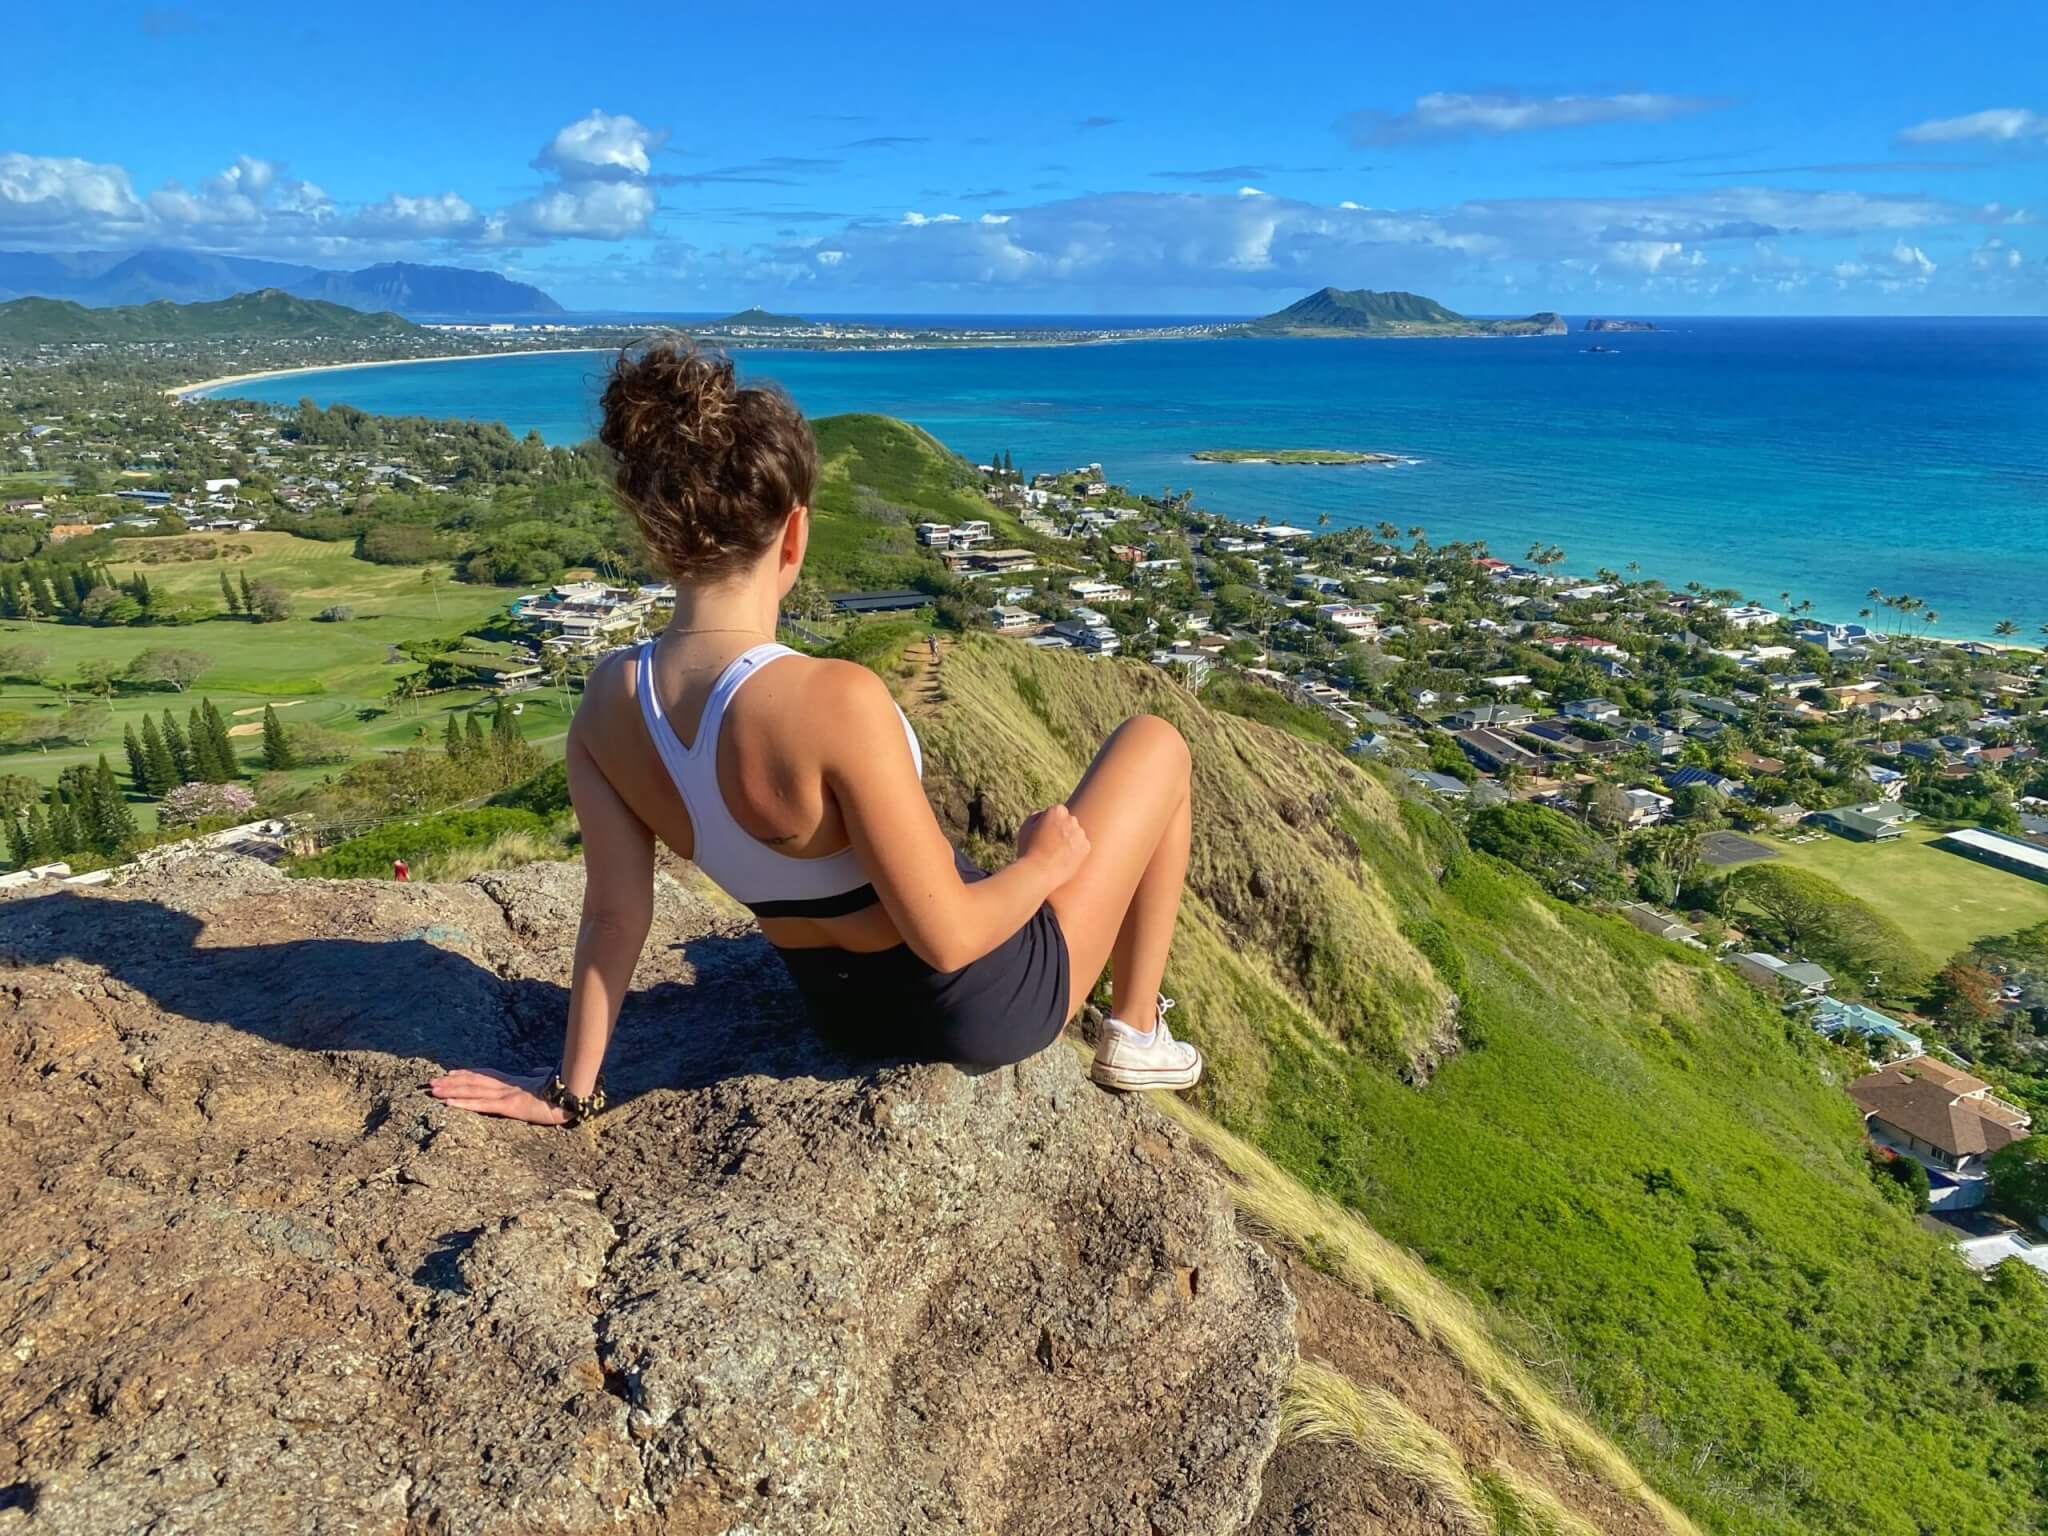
point(1641, 748)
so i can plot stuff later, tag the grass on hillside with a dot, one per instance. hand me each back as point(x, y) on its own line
point(1945, 901)
point(1323, 1404)
point(1641, 1176)
point(1334, 1239)
point(877, 478)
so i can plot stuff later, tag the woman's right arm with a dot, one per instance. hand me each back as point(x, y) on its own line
point(948, 922)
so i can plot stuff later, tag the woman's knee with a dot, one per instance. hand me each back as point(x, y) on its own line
point(1159, 738)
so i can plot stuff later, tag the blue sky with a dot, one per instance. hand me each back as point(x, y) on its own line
point(1820, 158)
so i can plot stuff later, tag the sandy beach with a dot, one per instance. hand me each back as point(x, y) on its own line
point(182, 390)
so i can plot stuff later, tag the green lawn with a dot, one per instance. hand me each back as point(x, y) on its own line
point(340, 674)
point(1945, 901)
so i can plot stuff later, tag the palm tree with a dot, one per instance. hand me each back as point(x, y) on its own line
point(2005, 629)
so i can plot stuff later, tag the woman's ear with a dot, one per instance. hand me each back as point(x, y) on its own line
point(796, 538)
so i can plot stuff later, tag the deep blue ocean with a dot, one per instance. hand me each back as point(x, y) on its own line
point(1816, 457)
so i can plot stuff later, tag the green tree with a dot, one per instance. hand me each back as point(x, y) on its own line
point(268, 602)
point(168, 664)
point(504, 729)
point(248, 595)
point(277, 747)
point(473, 738)
point(19, 853)
point(206, 763)
point(63, 833)
point(2019, 1178)
point(138, 761)
point(160, 772)
point(1809, 914)
point(112, 825)
point(183, 769)
point(452, 739)
point(223, 745)
point(229, 595)
point(36, 827)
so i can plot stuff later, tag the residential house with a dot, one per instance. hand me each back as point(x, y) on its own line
point(1646, 807)
point(1749, 616)
point(1601, 711)
point(1088, 590)
point(1010, 619)
point(1937, 1113)
point(1661, 925)
point(1833, 1017)
point(1096, 639)
point(1495, 753)
point(1786, 978)
point(1496, 715)
point(1702, 778)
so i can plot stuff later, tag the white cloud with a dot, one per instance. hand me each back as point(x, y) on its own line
point(1443, 115)
point(253, 194)
point(1348, 204)
point(830, 258)
point(601, 145)
point(1645, 255)
point(446, 216)
point(63, 194)
point(1995, 255)
point(918, 220)
point(591, 210)
point(995, 218)
point(1999, 124)
point(1250, 192)
point(1913, 259)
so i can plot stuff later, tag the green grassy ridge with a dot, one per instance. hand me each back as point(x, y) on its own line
point(877, 478)
point(1651, 1180)
point(267, 314)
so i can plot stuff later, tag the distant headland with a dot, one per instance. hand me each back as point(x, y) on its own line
point(1293, 456)
point(1363, 312)
point(1617, 325)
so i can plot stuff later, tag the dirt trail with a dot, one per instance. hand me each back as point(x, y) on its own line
point(924, 688)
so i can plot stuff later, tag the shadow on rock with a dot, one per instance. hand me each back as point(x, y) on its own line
point(726, 1009)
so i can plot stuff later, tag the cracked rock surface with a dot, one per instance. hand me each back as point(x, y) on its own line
point(253, 1278)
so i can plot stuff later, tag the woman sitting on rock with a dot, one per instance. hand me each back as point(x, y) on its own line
point(793, 782)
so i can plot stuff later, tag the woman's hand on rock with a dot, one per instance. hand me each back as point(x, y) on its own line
point(1055, 838)
point(510, 1095)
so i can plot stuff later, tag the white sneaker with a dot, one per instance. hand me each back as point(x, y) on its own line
point(1136, 1059)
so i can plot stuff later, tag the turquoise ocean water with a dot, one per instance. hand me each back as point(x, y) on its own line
point(1819, 457)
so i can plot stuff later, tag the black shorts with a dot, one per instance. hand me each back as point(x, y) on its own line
point(1009, 1004)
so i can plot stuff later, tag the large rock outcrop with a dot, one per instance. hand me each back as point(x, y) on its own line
point(255, 1279)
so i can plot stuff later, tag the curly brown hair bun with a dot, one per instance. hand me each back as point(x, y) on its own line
point(710, 468)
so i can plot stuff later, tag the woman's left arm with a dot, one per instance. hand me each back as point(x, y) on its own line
point(618, 909)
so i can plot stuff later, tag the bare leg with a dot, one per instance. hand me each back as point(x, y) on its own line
point(1120, 909)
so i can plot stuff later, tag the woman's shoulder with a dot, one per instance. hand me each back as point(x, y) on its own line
point(834, 691)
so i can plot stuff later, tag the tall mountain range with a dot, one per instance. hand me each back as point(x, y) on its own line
point(1363, 312)
point(99, 279)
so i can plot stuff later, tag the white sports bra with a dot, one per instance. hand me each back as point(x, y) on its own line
point(771, 883)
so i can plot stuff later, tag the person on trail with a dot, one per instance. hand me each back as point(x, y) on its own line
point(399, 871)
point(794, 783)
point(933, 642)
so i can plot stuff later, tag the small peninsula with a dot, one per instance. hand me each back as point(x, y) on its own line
point(1293, 456)
point(1617, 325)
point(1363, 312)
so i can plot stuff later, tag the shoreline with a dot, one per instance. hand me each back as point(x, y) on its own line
point(1983, 637)
point(180, 391)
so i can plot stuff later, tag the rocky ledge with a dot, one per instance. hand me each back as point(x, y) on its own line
point(255, 1279)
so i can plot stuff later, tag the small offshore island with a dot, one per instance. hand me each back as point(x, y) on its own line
point(1292, 456)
